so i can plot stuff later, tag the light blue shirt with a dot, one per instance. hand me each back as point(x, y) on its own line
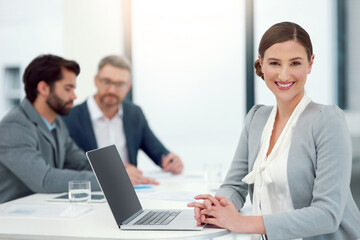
point(48, 125)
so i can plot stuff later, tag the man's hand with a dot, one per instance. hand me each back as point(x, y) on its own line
point(172, 163)
point(137, 177)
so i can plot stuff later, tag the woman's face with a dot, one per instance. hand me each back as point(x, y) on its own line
point(285, 66)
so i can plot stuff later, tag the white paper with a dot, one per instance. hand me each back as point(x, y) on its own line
point(45, 210)
point(170, 177)
point(169, 195)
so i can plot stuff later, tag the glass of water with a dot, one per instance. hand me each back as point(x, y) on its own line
point(79, 191)
point(213, 175)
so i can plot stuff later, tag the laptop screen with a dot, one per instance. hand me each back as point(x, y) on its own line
point(114, 182)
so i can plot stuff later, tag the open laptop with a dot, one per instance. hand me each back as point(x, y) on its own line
point(123, 201)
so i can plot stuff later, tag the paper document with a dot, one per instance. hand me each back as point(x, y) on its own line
point(45, 210)
point(169, 195)
point(170, 177)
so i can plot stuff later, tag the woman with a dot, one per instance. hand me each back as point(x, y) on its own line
point(294, 158)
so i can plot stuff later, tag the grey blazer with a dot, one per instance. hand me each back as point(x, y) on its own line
point(319, 170)
point(30, 162)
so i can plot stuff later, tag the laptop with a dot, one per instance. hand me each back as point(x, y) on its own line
point(123, 201)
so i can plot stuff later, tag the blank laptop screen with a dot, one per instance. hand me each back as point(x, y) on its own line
point(115, 182)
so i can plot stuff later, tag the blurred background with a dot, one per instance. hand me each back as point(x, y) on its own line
point(192, 61)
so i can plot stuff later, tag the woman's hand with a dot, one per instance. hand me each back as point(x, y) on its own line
point(221, 213)
point(206, 204)
point(214, 210)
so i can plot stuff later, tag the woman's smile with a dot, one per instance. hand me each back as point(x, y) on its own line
point(284, 86)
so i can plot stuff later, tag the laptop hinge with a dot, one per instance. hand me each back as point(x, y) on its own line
point(132, 217)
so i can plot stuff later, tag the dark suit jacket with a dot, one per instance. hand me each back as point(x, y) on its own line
point(137, 132)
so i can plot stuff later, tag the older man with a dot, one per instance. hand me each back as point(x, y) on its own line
point(106, 118)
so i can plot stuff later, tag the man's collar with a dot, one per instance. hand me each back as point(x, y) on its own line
point(48, 125)
point(95, 111)
point(33, 115)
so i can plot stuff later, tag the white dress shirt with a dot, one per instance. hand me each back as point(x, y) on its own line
point(108, 131)
point(269, 174)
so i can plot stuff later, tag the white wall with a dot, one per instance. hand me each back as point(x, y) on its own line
point(92, 30)
point(318, 19)
point(28, 29)
point(82, 30)
point(188, 58)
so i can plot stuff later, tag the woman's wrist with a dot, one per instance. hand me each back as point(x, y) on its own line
point(249, 224)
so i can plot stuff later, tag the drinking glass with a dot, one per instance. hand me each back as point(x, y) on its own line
point(79, 191)
point(213, 175)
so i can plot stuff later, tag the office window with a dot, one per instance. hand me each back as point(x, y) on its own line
point(352, 18)
point(189, 75)
point(12, 86)
point(351, 92)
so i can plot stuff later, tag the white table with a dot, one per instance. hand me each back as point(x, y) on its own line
point(99, 223)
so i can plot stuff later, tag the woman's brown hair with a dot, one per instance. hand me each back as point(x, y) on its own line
point(282, 32)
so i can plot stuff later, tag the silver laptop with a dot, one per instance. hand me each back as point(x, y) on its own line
point(123, 201)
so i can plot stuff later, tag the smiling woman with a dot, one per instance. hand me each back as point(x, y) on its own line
point(294, 158)
point(285, 66)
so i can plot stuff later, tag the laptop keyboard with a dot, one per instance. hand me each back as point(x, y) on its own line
point(157, 218)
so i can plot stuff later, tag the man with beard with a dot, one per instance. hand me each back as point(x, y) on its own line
point(37, 154)
point(107, 118)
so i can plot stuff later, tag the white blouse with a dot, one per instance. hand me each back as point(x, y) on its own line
point(269, 174)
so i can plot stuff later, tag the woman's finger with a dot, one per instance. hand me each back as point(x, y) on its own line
point(210, 221)
point(196, 204)
point(223, 200)
point(208, 200)
point(207, 212)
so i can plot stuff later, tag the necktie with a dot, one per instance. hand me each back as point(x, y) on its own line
point(53, 132)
